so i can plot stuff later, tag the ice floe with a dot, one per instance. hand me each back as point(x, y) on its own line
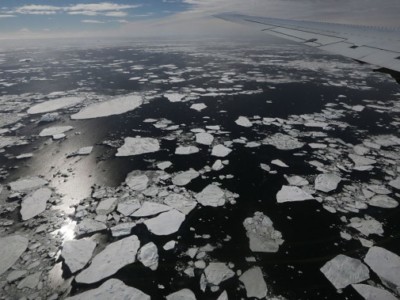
point(204, 138)
point(181, 203)
point(184, 294)
point(77, 253)
point(283, 142)
point(254, 283)
point(56, 104)
point(327, 182)
point(386, 265)
point(150, 209)
point(117, 106)
point(87, 226)
point(166, 223)
point(186, 150)
point(217, 272)
point(198, 106)
point(112, 289)
point(220, 151)
point(292, 194)
point(184, 178)
point(35, 203)
point(137, 146)
point(148, 256)
point(211, 195)
point(343, 270)
point(137, 181)
point(11, 248)
point(243, 121)
point(115, 256)
point(27, 183)
point(174, 97)
point(122, 229)
point(261, 233)
point(383, 201)
point(369, 292)
point(366, 226)
point(55, 131)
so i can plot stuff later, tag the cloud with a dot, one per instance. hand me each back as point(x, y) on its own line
point(7, 16)
point(104, 9)
point(92, 21)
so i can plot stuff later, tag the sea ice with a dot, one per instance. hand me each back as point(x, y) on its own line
point(11, 248)
point(137, 146)
point(52, 105)
point(184, 294)
point(185, 178)
point(35, 203)
point(283, 142)
point(327, 182)
point(204, 138)
point(243, 121)
point(166, 223)
point(292, 194)
point(296, 180)
point(395, 183)
point(128, 206)
point(174, 97)
point(383, 201)
point(137, 181)
point(106, 206)
point(122, 229)
point(386, 265)
point(112, 289)
point(366, 226)
point(186, 150)
point(181, 203)
point(87, 226)
point(148, 256)
point(27, 183)
point(217, 272)
point(150, 209)
point(220, 151)
point(369, 292)
point(115, 256)
point(211, 195)
point(254, 283)
point(198, 106)
point(111, 107)
point(342, 271)
point(54, 131)
point(261, 233)
point(77, 253)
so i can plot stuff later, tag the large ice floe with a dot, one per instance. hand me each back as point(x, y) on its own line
point(77, 253)
point(115, 256)
point(112, 289)
point(35, 203)
point(342, 271)
point(166, 223)
point(56, 104)
point(254, 283)
point(211, 195)
point(137, 146)
point(117, 106)
point(11, 248)
point(283, 142)
point(56, 132)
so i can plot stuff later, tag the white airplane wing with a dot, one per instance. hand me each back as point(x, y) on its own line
point(373, 45)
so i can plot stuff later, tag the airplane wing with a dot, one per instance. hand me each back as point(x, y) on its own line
point(373, 45)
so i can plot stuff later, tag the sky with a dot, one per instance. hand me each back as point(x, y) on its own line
point(85, 18)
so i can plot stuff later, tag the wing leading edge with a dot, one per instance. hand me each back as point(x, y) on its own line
point(376, 46)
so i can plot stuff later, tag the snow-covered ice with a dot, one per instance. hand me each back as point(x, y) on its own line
point(343, 270)
point(211, 195)
point(166, 223)
point(137, 146)
point(117, 106)
point(148, 256)
point(35, 203)
point(292, 194)
point(77, 253)
point(254, 283)
point(56, 104)
point(115, 256)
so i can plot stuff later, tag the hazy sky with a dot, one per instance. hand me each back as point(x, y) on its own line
point(58, 18)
